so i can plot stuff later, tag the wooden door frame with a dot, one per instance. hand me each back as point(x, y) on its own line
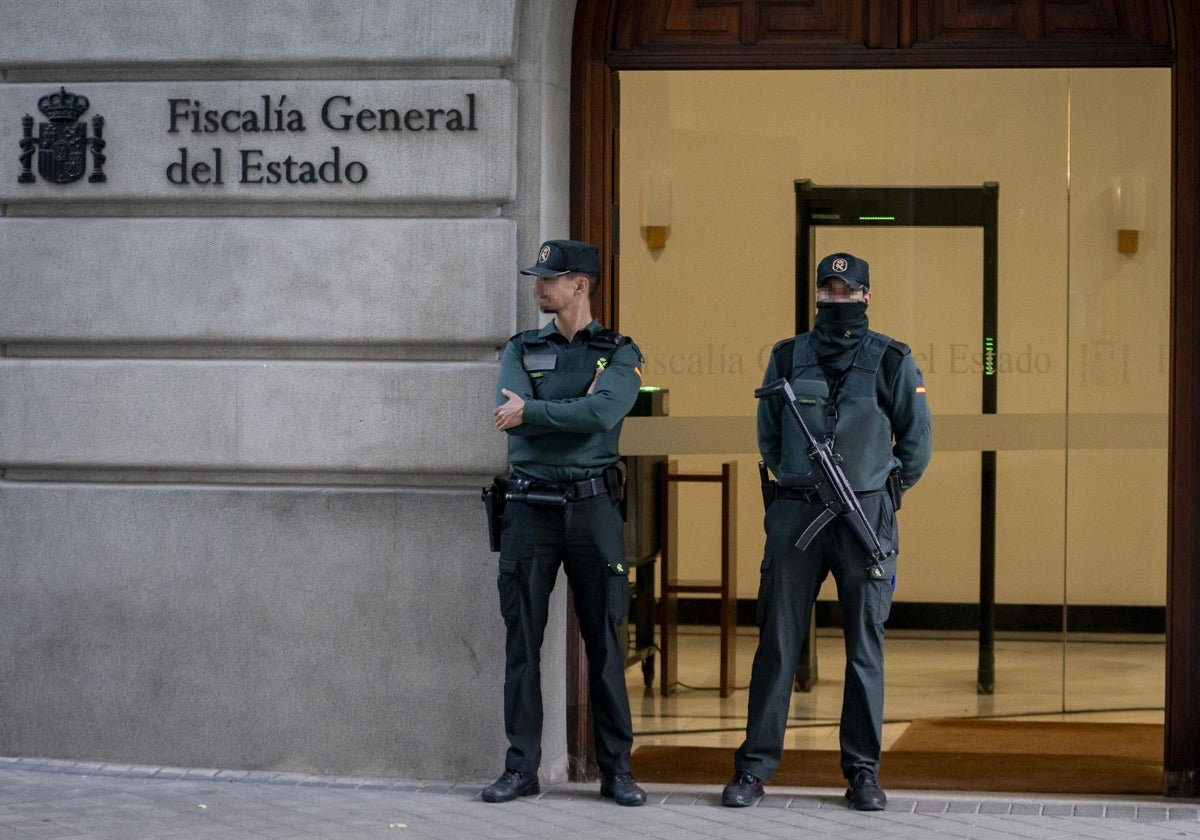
point(612, 35)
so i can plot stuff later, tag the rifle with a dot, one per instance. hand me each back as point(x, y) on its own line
point(828, 480)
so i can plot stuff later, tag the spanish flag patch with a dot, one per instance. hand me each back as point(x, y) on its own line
point(920, 389)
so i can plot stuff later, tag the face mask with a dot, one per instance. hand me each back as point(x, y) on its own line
point(837, 331)
point(841, 316)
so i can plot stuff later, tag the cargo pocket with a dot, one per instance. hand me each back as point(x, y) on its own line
point(879, 600)
point(883, 519)
point(510, 595)
point(764, 591)
point(618, 591)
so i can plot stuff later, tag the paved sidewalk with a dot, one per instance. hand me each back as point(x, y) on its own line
point(61, 799)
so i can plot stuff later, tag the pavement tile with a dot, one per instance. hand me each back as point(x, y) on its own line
point(199, 773)
point(144, 771)
point(113, 769)
point(774, 801)
point(930, 806)
point(962, 808)
point(1057, 809)
point(1027, 808)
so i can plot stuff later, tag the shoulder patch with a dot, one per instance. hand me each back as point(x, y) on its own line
point(893, 359)
point(782, 353)
point(528, 337)
point(609, 338)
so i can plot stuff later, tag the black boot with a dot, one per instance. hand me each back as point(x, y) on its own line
point(864, 792)
point(510, 785)
point(743, 790)
point(622, 789)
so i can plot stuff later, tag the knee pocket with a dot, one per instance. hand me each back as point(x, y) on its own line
point(510, 595)
point(879, 599)
point(618, 592)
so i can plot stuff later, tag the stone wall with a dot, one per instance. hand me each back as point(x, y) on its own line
point(244, 411)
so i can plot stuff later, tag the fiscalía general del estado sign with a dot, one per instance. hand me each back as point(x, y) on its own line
point(435, 140)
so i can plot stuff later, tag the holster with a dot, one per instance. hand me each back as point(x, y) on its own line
point(493, 504)
point(770, 487)
point(614, 481)
point(894, 489)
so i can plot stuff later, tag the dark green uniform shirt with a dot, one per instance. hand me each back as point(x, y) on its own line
point(572, 419)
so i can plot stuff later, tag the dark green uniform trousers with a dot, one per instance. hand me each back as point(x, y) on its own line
point(586, 538)
point(790, 580)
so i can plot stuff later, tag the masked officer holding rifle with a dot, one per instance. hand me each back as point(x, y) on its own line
point(562, 395)
point(833, 509)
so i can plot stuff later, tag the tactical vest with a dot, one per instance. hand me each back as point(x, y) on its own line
point(848, 412)
point(556, 378)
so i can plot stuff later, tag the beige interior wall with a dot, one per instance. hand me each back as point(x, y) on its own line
point(1120, 310)
point(707, 307)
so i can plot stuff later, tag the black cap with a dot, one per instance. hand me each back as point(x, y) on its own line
point(846, 267)
point(563, 256)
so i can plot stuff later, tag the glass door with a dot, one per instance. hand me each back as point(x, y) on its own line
point(709, 161)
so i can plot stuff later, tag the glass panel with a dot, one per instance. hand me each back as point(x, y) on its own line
point(1117, 389)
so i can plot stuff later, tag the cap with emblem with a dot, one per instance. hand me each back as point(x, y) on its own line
point(563, 256)
point(846, 267)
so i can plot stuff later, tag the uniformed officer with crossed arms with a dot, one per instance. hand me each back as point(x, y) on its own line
point(861, 391)
point(562, 395)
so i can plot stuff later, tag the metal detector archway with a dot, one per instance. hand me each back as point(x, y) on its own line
point(918, 207)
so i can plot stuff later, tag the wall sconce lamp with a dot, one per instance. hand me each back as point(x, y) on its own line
point(656, 210)
point(1129, 202)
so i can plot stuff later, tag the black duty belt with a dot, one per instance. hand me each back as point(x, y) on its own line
point(811, 495)
point(545, 493)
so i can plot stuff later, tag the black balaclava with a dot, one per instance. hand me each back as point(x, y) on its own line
point(837, 331)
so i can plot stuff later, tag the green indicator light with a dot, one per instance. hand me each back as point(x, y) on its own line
point(650, 388)
point(989, 356)
point(877, 218)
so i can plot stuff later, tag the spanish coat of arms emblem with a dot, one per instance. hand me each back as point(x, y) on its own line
point(62, 143)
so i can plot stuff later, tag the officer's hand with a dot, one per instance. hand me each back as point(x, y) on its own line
point(512, 413)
